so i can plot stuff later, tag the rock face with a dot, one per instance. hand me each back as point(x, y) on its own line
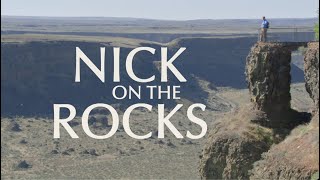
point(238, 142)
point(268, 75)
point(234, 145)
point(297, 157)
point(311, 67)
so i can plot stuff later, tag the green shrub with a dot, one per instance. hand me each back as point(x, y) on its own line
point(315, 176)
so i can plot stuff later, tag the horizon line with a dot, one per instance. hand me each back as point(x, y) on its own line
point(156, 19)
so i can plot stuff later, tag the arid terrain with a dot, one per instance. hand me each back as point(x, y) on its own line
point(31, 140)
point(37, 70)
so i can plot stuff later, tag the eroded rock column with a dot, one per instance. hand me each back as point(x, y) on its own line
point(268, 76)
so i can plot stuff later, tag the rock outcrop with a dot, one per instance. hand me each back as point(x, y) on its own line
point(311, 68)
point(297, 157)
point(268, 75)
point(242, 138)
point(235, 143)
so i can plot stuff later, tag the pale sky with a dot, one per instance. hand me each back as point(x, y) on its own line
point(163, 9)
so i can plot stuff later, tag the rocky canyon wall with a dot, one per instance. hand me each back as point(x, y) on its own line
point(242, 145)
point(311, 68)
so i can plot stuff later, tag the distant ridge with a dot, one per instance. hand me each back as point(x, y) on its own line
point(297, 21)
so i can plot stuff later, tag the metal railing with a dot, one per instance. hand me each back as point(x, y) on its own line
point(289, 34)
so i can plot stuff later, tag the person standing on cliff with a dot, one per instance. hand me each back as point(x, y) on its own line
point(264, 29)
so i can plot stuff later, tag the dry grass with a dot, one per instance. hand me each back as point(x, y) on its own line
point(301, 148)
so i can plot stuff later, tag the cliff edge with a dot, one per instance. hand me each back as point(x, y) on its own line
point(297, 157)
point(247, 144)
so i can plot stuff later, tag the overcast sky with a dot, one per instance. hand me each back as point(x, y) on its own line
point(164, 9)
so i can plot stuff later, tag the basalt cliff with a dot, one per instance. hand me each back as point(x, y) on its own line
point(267, 139)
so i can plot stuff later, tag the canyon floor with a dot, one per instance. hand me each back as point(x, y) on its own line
point(29, 151)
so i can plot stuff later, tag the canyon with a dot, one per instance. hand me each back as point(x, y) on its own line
point(262, 123)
